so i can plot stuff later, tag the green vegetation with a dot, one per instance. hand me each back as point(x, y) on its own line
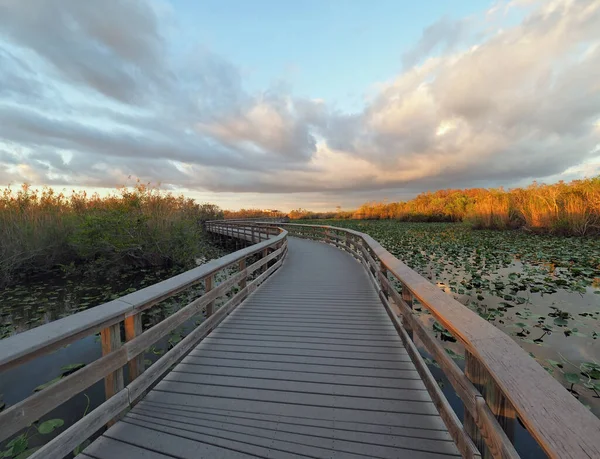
point(542, 289)
point(252, 213)
point(562, 208)
point(18, 447)
point(130, 228)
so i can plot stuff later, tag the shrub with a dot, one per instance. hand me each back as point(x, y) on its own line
point(142, 226)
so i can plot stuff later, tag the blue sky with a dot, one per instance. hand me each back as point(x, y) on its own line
point(312, 104)
point(328, 49)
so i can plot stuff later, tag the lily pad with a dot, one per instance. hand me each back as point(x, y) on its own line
point(48, 426)
point(572, 378)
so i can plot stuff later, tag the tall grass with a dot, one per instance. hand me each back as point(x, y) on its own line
point(142, 226)
point(564, 208)
point(252, 213)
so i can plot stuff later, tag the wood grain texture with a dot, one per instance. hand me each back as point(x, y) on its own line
point(278, 394)
point(61, 445)
point(22, 414)
point(127, 397)
point(498, 405)
point(242, 267)
point(208, 286)
point(562, 426)
point(41, 340)
point(461, 438)
point(133, 328)
point(110, 338)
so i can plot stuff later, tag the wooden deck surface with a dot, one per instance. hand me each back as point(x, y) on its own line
point(308, 366)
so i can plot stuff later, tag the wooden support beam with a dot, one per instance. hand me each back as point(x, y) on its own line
point(133, 328)
point(384, 272)
point(113, 382)
point(407, 296)
point(209, 284)
point(111, 341)
point(265, 252)
point(242, 266)
point(497, 403)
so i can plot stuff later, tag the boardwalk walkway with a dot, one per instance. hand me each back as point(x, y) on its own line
point(308, 366)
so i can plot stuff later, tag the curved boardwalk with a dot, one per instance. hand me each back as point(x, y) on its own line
point(308, 366)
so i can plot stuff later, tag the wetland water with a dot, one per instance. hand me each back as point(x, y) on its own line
point(42, 300)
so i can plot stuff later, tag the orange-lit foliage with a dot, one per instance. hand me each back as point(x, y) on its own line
point(566, 208)
point(252, 213)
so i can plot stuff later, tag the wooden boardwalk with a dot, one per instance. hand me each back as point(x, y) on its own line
point(309, 365)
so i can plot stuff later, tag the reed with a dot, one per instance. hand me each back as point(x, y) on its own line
point(140, 226)
point(562, 208)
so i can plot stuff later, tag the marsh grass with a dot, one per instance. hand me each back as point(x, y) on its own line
point(561, 208)
point(132, 227)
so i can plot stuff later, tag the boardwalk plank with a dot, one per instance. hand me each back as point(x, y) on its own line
point(403, 370)
point(410, 380)
point(334, 387)
point(308, 366)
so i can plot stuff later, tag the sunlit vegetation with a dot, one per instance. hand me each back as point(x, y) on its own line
point(562, 208)
point(541, 289)
point(41, 230)
point(253, 213)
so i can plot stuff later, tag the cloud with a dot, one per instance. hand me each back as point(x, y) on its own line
point(521, 104)
point(445, 31)
point(98, 94)
point(109, 50)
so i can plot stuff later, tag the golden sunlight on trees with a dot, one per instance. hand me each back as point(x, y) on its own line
point(565, 208)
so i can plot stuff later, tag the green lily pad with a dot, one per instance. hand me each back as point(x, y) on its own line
point(48, 426)
point(572, 378)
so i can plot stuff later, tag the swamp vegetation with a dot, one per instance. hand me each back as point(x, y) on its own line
point(43, 231)
point(63, 254)
point(560, 208)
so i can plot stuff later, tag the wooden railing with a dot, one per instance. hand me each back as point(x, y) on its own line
point(269, 243)
point(500, 382)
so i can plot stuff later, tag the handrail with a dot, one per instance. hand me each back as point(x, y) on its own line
point(501, 381)
point(271, 245)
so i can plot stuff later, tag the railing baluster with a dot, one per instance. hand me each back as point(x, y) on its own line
point(496, 401)
point(384, 273)
point(133, 328)
point(265, 252)
point(209, 284)
point(242, 266)
point(407, 296)
point(110, 338)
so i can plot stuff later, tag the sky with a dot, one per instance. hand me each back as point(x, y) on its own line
point(312, 104)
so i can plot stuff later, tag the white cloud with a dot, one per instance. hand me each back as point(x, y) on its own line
point(93, 97)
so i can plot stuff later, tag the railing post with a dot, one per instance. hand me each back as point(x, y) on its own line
point(384, 272)
point(133, 328)
point(496, 401)
point(242, 266)
point(110, 338)
point(407, 296)
point(264, 267)
point(208, 286)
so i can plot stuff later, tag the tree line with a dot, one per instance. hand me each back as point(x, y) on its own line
point(564, 208)
point(41, 230)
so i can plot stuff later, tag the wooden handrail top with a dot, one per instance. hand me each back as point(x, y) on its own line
point(561, 425)
point(45, 338)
